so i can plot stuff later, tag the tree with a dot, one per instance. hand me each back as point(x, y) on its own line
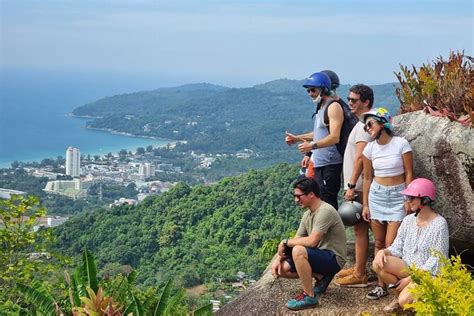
point(149, 148)
point(20, 246)
point(15, 164)
point(123, 152)
point(140, 150)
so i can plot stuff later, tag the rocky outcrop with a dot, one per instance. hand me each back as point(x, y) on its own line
point(444, 152)
point(269, 295)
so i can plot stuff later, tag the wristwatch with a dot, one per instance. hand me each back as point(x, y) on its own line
point(314, 145)
point(351, 186)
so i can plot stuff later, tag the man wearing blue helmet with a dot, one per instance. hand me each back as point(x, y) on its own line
point(322, 140)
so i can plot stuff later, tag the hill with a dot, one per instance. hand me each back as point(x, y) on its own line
point(215, 118)
point(197, 234)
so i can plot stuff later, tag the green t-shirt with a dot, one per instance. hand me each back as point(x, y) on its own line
point(327, 221)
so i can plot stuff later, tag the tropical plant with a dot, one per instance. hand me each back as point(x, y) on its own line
point(26, 253)
point(450, 292)
point(445, 88)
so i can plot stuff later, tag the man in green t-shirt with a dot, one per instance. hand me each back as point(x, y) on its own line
point(318, 249)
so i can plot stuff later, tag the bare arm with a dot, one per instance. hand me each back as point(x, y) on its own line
point(408, 166)
point(291, 139)
point(336, 118)
point(366, 187)
point(308, 241)
point(358, 162)
point(356, 171)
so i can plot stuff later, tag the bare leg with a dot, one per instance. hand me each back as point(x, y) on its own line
point(392, 229)
point(380, 231)
point(300, 257)
point(405, 296)
point(393, 270)
point(361, 232)
point(287, 273)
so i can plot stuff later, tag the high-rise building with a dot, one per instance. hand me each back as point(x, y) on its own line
point(146, 170)
point(73, 162)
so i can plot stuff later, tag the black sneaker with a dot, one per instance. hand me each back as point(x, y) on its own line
point(377, 293)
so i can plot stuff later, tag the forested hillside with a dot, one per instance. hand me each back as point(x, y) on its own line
point(197, 234)
point(215, 118)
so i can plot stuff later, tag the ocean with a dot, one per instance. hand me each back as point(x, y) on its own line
point(34, 108)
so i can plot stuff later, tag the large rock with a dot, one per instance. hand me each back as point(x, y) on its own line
point(268, 297)
point(444, 152)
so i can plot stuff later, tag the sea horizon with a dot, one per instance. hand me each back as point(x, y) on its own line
point(36, 121)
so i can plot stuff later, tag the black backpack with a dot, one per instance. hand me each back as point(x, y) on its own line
point(350, 120)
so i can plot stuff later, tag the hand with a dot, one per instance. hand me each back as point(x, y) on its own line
point(305, 147)
point(281, 250)
point(407, 207)
point(366, 214)
point(403, 283)
point(349, 195)
point(276, 267)
point(380, 258)
point(291, 139)
point(305, 162)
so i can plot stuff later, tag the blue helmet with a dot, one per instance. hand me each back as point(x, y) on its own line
point(318, 80)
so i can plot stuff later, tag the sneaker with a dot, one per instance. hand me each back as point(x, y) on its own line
point(345, 272)
point(352, 281)
point(377, 293)
point(321, 285)
point(302, 301)
point(393, 307)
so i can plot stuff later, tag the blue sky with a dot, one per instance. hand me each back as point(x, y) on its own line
point(234, 43)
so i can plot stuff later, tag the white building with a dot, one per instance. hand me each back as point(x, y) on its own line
point(73, 162)
point(146, 170)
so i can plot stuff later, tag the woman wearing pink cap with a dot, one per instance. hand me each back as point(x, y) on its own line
point(420, 233)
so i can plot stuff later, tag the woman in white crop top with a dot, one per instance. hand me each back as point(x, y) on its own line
point(388, 169)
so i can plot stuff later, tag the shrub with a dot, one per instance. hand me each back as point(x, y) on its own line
point(445, 88)
point(448, 293)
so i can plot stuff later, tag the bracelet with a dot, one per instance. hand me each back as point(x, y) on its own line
point(351, 186)
point(314, 145)
point(285, 242)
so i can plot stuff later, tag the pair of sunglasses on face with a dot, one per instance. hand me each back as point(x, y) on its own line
point(369, 124)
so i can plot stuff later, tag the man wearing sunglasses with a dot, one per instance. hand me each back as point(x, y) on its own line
point(361, 100)
point(318, 250)
point(322, 140)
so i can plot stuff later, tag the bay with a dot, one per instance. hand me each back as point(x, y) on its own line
point(34, 108)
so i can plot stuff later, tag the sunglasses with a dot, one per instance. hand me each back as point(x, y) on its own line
point(352, 100)
point(298, 196)
point(368, 125)
point(309, 90)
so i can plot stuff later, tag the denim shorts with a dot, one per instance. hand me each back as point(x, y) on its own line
point(386, 203)
point(321, 261)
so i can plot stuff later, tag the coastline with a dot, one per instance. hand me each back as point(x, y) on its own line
point(99, 151)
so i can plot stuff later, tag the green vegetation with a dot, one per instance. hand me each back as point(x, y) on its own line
point(217, 119)
point(32, 279)
point(197, 234)
point(448, 293)
point(24, 256)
